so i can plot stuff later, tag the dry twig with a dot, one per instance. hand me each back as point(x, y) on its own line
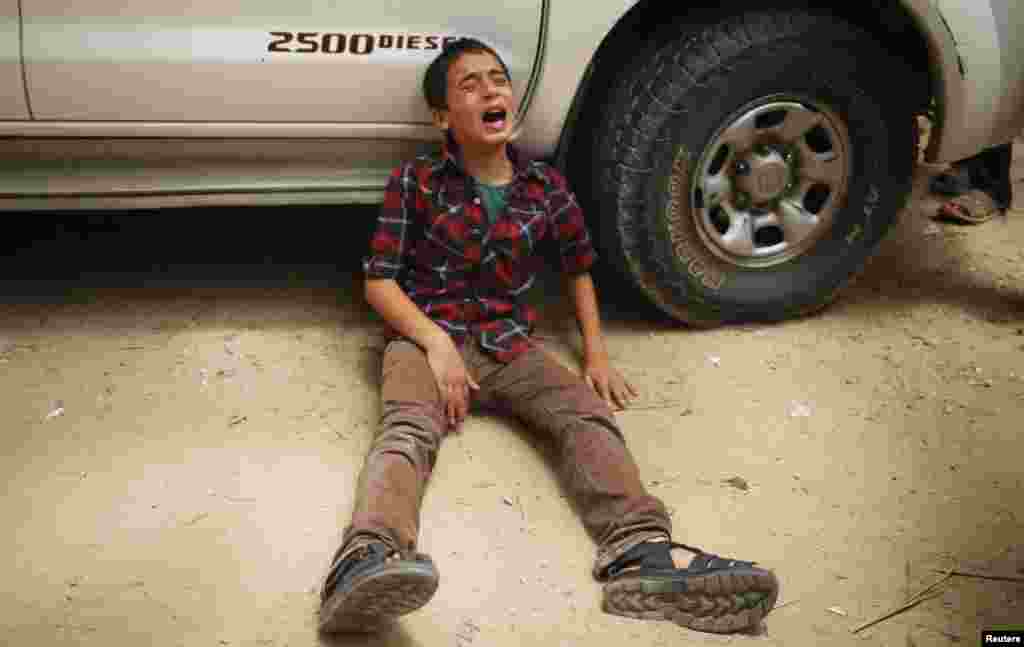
point(927, 593)
point(984, 576)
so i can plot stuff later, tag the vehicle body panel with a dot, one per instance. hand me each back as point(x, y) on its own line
point(12, 89)
point(982, 91)
point(202, 80)
point(211, 61)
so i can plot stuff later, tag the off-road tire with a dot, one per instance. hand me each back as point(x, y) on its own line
point(665, 108)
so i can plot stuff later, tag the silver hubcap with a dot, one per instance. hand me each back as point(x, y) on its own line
point(770, 182)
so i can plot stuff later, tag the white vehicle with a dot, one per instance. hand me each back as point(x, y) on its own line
point(736, 159)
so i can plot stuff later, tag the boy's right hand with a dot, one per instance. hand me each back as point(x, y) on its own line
point(453, 380)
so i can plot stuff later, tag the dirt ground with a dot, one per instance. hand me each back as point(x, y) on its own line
point(186, 402)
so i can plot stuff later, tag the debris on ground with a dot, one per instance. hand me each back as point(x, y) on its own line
point(838, 611)
point(506, 500)
point(237, 420)
point(58, 410)
point(466, 633)
point(799, 409)
point(737, 482)
point(933, 590)
point(668, 404)
point(197, 518)
point(995, 577)
point(715, 361)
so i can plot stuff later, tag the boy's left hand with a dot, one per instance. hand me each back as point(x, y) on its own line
point(599, 374)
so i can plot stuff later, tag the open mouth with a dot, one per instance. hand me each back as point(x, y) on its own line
point(495, 119)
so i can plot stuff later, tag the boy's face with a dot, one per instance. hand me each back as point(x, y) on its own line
point(481, 107)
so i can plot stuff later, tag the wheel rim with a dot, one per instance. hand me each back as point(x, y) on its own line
point(771, 180)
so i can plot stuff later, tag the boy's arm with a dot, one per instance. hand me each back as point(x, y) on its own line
point(389, 248)
point(387, 258)
point(388, 299)
point(588, 317)
point(578, 255)
point(598, 372)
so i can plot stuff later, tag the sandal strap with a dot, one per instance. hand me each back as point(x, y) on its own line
point(649, 553)
point(656, 556)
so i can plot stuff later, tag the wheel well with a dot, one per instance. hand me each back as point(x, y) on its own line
point(652, 21)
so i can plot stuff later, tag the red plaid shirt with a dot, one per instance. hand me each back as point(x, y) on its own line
point(433, 237)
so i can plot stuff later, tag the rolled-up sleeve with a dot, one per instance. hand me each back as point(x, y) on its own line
point(390, 241)
point(574, 244)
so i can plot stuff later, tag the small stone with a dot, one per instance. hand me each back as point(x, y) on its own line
point(737, 482)
point(715, 361)
point(506, 500)
point(799, 410)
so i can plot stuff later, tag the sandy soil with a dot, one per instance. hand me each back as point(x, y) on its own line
point(186, 403)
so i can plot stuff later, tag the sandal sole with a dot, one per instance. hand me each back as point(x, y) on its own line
point(724, 602)
point(377, 598)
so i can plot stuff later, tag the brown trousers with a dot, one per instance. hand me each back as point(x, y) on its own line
point(594, 463)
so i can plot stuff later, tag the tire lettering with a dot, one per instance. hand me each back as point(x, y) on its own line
point(871, 200)
point(676, 214)
point(855, 234)
point(414, 42)
point(431, 42)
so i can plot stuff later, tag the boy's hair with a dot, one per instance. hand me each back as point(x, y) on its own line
point(435, 81)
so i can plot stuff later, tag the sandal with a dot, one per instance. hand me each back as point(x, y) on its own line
point(364, 589)
point(713, 594)
point(973, 208)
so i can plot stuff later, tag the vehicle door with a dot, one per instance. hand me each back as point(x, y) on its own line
point(1009, 19)
point(254, 60)
point(12, 88)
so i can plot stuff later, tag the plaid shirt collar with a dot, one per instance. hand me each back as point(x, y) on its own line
point(452, 162)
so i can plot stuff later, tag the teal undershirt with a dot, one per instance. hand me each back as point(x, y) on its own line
point(493, 197)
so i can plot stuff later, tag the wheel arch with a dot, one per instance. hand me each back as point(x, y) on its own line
point(930, 48)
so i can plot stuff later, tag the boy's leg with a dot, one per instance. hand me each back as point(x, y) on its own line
point(595, 464)
point(375, 574)
point(393, 478)
point(650, 576)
